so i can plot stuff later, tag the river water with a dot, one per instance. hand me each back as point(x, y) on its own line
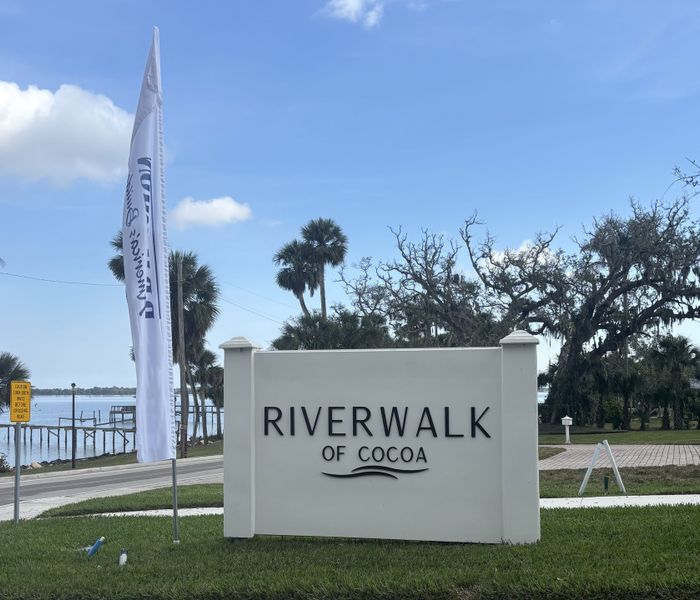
point(55, 410)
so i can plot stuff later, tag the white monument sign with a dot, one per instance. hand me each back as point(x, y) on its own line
point(415, 444)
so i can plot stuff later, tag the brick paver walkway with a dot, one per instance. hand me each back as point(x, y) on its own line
point(578, 456)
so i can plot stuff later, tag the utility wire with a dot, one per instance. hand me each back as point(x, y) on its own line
point(60, 280)
point(250, 310)
point(63, 281)
point(286, 305)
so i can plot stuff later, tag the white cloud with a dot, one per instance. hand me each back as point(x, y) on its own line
point(367, 12)
point(209, 213)
point(62, 136)
point(526, 249)
point(374, 15)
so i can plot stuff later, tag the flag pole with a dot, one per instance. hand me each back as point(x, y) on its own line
point(176, 529)
point(176, 525)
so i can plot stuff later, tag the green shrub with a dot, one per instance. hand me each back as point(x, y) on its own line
point(612, 406)
point(4, 465)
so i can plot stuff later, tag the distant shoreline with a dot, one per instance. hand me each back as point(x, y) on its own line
point(93, 391)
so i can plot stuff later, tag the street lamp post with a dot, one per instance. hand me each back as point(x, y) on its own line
point(72, 458)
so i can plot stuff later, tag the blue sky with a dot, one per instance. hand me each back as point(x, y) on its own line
point(375, 113)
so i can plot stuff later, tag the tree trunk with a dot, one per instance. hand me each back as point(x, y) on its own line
point(302, 303)
point(600, 414)
point(678, 412)
point(205, 432)
point(195, 410)
point(322, 285)
point(561, 389)
point(564, 392)
point(626, 412)
point(643, 416)
point(218, 422)
point(665, 419)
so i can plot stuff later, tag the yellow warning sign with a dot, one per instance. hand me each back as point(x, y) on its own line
point(20, 401)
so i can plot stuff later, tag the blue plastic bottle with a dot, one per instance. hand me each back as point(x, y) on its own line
point(96, 546)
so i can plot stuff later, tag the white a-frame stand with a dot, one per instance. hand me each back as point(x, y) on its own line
point(604, 444)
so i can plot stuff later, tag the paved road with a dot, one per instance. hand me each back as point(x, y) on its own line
point(45, 490)
point(578, 456)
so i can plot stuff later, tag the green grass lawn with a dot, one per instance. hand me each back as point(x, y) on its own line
point(553, 484)
point(543, 453)
point(609, 554)
point(554, 434)
point(188, 496)
point(639, 481)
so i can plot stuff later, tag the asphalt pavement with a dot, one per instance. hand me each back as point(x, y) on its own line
point(42, 491)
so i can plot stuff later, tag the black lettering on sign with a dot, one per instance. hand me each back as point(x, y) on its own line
point(328, 453)
point(475, 422)
point(400, 425)
point(270, 421)
point(447, 425)
point(356, 420)
point(309, 428)
point(364, 458)
point(430, 426)
point(332, 421)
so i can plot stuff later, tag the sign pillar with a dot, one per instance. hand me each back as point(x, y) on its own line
point(520, 486)
point(239, 441)
point(20, 412)
point(18, 468)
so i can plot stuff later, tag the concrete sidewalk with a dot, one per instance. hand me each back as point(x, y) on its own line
point(578, 456)
point(611, 501)
point(545, 503)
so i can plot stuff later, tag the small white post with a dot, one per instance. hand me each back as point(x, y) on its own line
point(239, 439)
point(520, 478)
point(567, 421)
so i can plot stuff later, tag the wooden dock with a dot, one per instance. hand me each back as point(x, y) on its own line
point(117, 434)
point(121, 437)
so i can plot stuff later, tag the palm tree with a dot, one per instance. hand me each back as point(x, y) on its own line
point(200, 294)
point(343, 329)
point(203, 364)
point(308, 332)
point(216, 393)
point(677, 357)
point(11, 369)
point(329, 245)
point(298, 274)
point(116, 263)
